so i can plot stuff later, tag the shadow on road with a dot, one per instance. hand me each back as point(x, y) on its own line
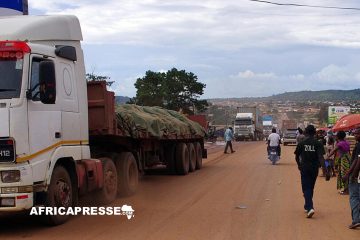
point(13, 222)
point(284, 164)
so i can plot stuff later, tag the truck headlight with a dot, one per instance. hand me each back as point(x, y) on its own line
point(10, 176)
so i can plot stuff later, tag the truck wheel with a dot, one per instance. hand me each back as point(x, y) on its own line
point(182, 159)
point(192, 157)
point(169, 152)
point(59, 194)
point(198, 151)
point(128, 174)
point(110, 178)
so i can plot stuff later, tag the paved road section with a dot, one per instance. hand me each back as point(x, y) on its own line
point(235, 196)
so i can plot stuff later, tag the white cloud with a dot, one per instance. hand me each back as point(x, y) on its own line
point(277, 48)
point(125, 87)
point(219, 24)
point(251, 75)
point(332, 73)
point(162, 71)
point(249, 83)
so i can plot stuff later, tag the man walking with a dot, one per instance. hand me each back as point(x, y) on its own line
point(309, 154)
point(229, 136)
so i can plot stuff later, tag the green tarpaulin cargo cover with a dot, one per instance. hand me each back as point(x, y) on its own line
point(155, 122)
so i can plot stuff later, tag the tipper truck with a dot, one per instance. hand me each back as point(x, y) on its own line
point(248, 124)
point(289, 130)
point(61, 137)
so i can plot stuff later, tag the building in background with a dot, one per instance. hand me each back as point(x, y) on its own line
point(13, 7)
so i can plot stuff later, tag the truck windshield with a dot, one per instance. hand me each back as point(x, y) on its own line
point(10, 77)
point(243, 122)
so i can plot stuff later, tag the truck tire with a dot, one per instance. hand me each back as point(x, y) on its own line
point(182, 159)
point(59, 194)
point(198, 151)
point(128, 174)
point(110, 179)
point(192, 157)
point(169, 152)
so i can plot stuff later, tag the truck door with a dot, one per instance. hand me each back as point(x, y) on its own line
point(69, 102)
point(44, 123)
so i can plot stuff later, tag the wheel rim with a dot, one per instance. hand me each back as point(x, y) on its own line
point(62, 193)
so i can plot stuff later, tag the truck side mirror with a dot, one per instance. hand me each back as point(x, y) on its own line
point(47, 82)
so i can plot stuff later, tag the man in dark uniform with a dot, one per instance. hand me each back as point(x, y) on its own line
point(309, 155)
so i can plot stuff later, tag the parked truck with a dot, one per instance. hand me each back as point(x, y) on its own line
point(61, 138)
point(248, 124)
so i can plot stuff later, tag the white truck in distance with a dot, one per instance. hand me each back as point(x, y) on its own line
point(248, 124)
point(243, 126)
point(59, 136)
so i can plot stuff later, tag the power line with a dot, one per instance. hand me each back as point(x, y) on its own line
point(305, 5)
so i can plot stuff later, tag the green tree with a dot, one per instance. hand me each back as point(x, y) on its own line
point(150, 89)
point(173, 90)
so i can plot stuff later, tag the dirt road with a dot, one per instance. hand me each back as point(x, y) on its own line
point(203, 205)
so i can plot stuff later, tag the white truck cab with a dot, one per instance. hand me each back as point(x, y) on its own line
point(43, 105)
point(244, 126)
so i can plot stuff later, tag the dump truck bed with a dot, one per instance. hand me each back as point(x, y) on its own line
point(138, 122)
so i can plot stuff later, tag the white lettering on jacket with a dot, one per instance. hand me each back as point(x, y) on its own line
point(309, 148)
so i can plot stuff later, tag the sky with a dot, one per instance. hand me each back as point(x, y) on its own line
point(238, 48)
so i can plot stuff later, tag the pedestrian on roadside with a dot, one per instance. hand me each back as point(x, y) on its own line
point(329, 161)
point(329, 134)
point(342, 161)
point(229, 136)
point(322, 140)
point(354, 186)
point(300, 137)
point(308, 155)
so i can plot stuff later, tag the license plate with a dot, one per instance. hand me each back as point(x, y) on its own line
point(8, 202)
point(273, 152)
point(7, 151)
